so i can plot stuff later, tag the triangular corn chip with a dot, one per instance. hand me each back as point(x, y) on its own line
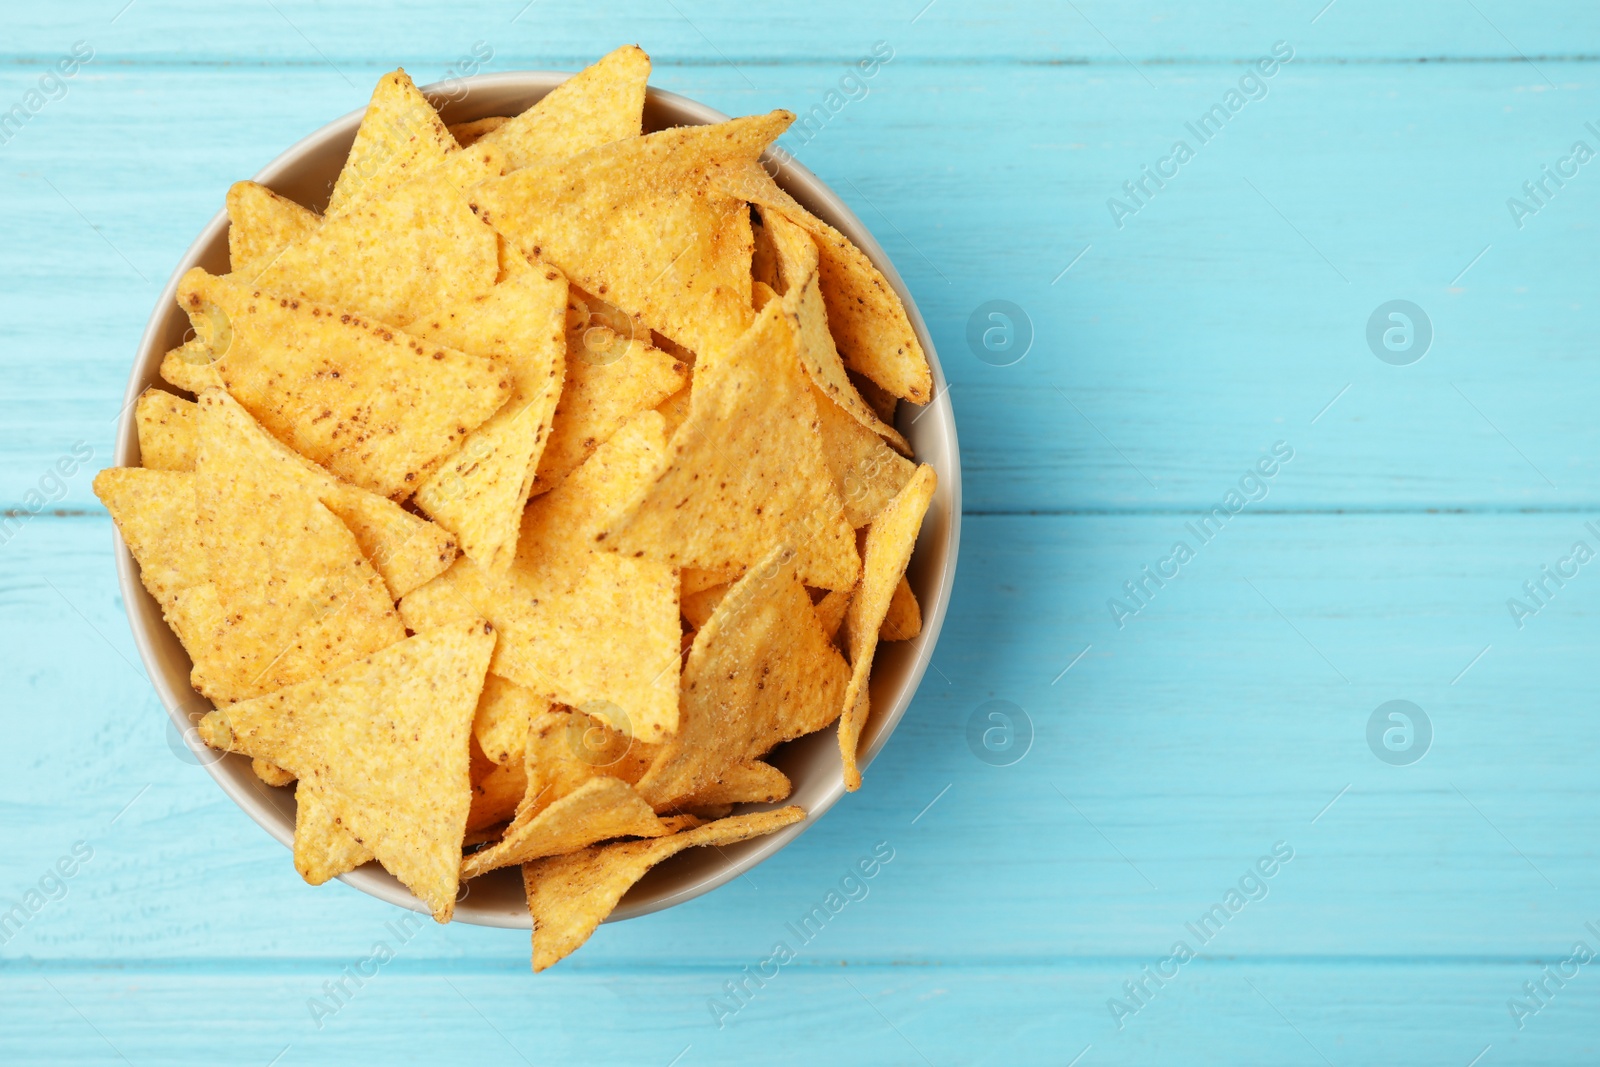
point(578, 624)
point(468, 134)
point(323, 848)
point(865, 315)
point(496, 796)
point(298, 593)
point(569, 896)
point(746, 471)
point(760, 672)
point(598, 810)
point(740, 783)
point(831, 609)
point(600, 104)
point(798, 267)
point(385, 739)
point(696, 608)
point(695, 579)
point(675, 410)
point(877, 397)
point(406, 549)
point(504, 711)
point(903, 621)
point(568, 747)
point(401, 135)
point(890, 539)
point(272, 774)
point(166, 431)
point(480, 491)
point(668, 247)
point(261, 224)
point(376, 406)
point(397, 256)
point(867, 472)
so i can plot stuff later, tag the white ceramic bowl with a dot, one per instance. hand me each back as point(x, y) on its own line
point(305, 173)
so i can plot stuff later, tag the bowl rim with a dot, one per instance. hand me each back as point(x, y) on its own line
point(798, 181)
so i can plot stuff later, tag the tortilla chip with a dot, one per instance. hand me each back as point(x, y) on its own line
point(760, 672)
point(890, 539)
point(299, 595)
point(867, 319)
point(406, 549)
point(261, 224)
point(639, 223)
point(746, 471)
point(271, 774)
point(568, 747)
point(468, 134)
point(598, 810)
point(696, 608)
point(385, 740)
point(877, 397)
point(397, 256)
point(603, 393)
point(903, 621)
point(479, 492)
point(496, 797)
point(400, 136)
point(742, 783)
point(578, 624)
point(831, 609)
point(675, 410)
point(867, 472)
point(600, 104)
point(323, 848)
point(798, 267)
point(569, 896)
point(376, 406)
point(166, 431)
point(692, 580)
point(504, 711)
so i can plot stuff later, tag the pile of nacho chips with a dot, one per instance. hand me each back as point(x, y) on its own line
point(531, 494)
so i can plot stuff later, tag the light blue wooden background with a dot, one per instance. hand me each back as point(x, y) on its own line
point(1228, 314)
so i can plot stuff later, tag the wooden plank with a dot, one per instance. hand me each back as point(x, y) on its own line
point(1212, 325)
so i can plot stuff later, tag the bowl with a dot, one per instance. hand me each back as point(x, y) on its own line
point(305, 173)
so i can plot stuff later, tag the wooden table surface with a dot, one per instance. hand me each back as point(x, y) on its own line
point(1434, 910)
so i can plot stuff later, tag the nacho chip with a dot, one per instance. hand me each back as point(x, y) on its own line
point(696, 608)
point(568, 747)
point(395, 257)
point(569, 896)
point(578, 624)
point(867, 319)
point(742, 783)
point(877, 397)
point(746, 471)
point(600, 104)
point(903, 621)
point(166, 431)
point(376, 406)
point(495, 798)
point(261, 224)
point(504, 711)
point(406, 549)
point(890, 539)
point(400, 136)
point(798, 268)
point(760, 672)
point(468, 134)
point(692, 580)
point(867, 472)
point(299, 595)
point(598, 810)
point(480, 491)
point(675, 410)
point(831, 609)
point(640, 224)
point(271, 774)
point(385, 740)
point(323, 848)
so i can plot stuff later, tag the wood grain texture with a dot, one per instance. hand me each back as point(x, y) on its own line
point(1168, 753)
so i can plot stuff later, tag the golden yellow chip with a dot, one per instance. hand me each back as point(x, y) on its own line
point(396, 257)
point(376, 406)
point(865, 315)
point(166, 431)
point(600, 104)
point(468, 134)
point(697, 607)
point(261, 224)
point(323, 849)
point(746, 471)
point(675, 410)
point(692, 580)
point(640, 224)
point(877, 397)
point(385, 740)
point(598, 810)
point(567, 747)
point(271, 773)
point(406, 549)
point(831, 609)
point(890, 539)
point(504, 711)
point(569, 896)
point(798, 269)
point(761, 671)
point(741, 783)
point(480, 491)
point(903, 621)
point(578, 624)
point(496, 796)
point(867, 472)
point(400, 136)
